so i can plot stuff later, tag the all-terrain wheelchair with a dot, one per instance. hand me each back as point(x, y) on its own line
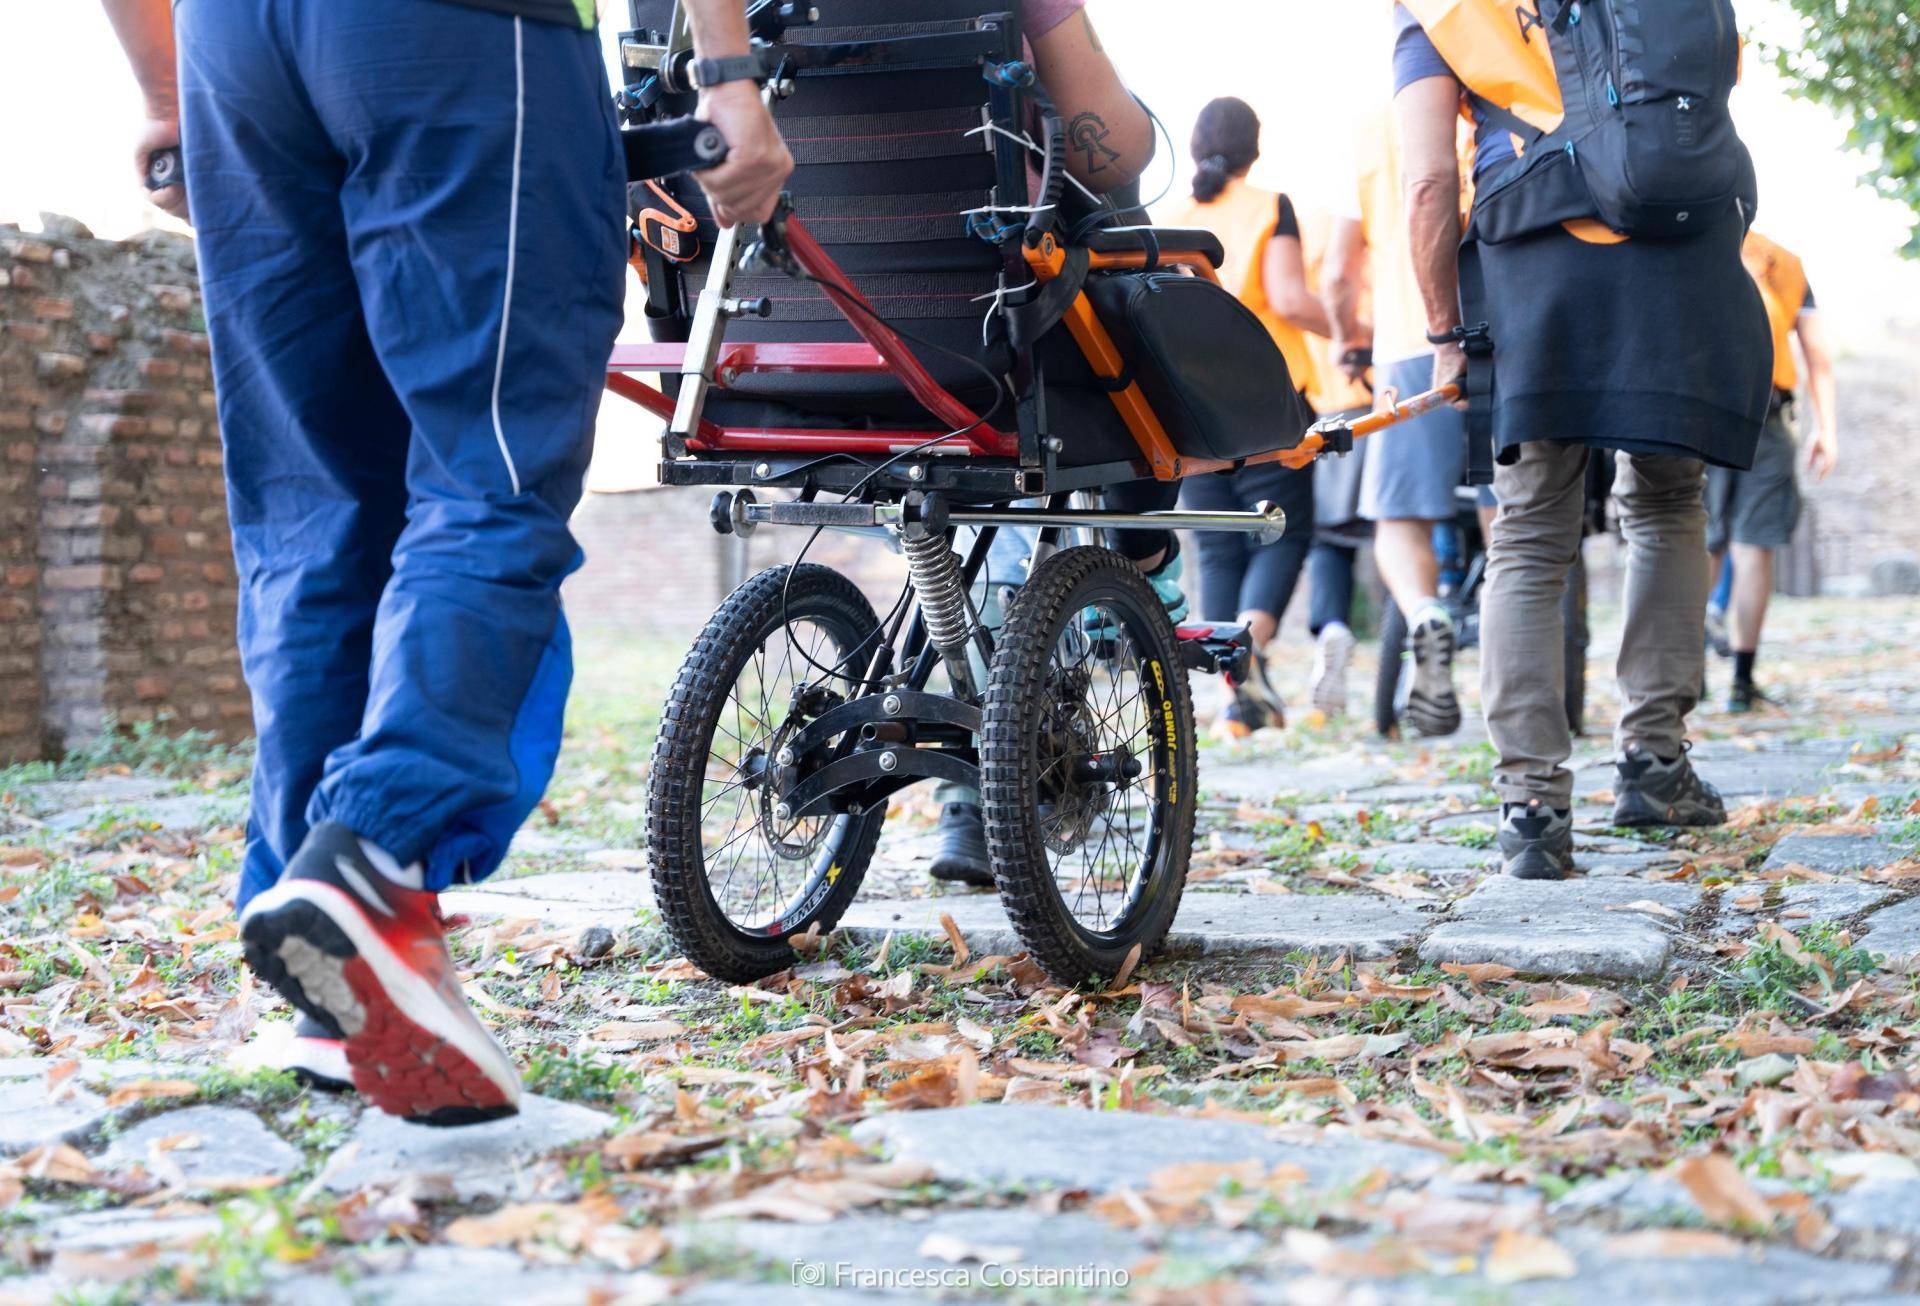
point(939, 337)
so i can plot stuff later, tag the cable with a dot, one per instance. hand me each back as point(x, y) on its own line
point(999, 400)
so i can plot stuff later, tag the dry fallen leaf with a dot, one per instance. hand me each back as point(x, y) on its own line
point(1518, 1257)
point(144, 1090)
point(1721, 1191)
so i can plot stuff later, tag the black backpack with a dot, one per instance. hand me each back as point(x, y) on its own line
point(1647, 145)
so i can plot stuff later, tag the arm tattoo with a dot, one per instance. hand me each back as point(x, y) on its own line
point(1088, 133)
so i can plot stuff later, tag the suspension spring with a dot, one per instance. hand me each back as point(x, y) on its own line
point(935, 571)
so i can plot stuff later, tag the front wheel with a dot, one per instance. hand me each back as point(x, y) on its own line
point(733, 879)
point(1087, 768)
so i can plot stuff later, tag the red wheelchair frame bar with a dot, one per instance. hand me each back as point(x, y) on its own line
point(882, 351)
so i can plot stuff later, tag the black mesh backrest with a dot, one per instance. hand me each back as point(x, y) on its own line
point(885, 169)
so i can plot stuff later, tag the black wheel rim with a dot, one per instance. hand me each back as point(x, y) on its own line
point(765, 874)
point(1105, 772)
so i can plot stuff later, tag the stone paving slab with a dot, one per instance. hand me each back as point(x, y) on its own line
point(183, 812)
point(1564, 929)
point(453, 1276)
point(1263, 779)
point(29, 1118)
point(107, 1231)
point(1887, 1206)
point(1798, 904)
point(1614, 1268)
point(1894, 932)
point(1100, 1151)
point(1009, 1238)
point(1834, 853)
point(487, 1160)
point(605, 895)
point(1359, 925)
point(64, 795)
point(210, 1147)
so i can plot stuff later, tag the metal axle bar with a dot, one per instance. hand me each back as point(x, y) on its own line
point(1267, 522)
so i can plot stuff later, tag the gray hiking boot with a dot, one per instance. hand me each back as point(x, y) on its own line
point(1536, 841)
point(1432, 708)
point(1650, 790)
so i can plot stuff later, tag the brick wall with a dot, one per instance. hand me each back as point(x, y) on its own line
point(656, 567)
point(119, 587)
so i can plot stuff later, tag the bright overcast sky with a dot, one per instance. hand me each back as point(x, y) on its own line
point(1309, 66)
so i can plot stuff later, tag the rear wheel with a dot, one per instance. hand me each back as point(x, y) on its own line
point(1087, 766)
point(733, 880)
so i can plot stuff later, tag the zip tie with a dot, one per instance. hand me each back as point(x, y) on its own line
point(1023, 139)
point(1009, 208)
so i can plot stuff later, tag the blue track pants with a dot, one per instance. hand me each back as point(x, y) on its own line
point(410, 218)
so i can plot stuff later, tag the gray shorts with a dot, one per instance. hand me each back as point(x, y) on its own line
point(1761, 506)
point(1413, 469)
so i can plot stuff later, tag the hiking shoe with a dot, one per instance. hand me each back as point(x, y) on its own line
point(1260, 689)
point(1744, 696)
point(1650, 790)
point(1332, 651)
point(962, 858)
point(366, 960)
point(1432, 707)
point(1717, 633)
point(316, 1058)
point(1242, 715)
point(1536, 841)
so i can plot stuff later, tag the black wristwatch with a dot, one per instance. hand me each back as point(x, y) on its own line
point(706, 73)
point(1451, 336)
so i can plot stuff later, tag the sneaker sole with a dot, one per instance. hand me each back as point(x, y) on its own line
point(1329, 688)
point(1433, 708)
point(410, 1054)
point(979, 877)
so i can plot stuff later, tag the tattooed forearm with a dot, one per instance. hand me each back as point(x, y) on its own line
point(1088, 133)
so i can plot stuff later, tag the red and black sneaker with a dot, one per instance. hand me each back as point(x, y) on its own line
point(367, 960)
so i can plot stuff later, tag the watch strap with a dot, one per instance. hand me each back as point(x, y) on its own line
point(732, 68)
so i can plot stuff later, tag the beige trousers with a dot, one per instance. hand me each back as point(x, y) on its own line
point(1535, 539)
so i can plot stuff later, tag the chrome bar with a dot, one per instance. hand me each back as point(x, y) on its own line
point(1266, 520)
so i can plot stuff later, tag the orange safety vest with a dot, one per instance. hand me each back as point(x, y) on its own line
point(1782, 279)
point(1332, 392)
point(1244, 218)
point(1498, 49)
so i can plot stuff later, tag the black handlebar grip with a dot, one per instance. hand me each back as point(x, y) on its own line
point(164, 168)
point(662, 149)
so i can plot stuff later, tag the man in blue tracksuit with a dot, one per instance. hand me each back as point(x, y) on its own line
point(411, 235)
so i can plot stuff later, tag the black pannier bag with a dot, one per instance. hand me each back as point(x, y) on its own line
point(1206, 363)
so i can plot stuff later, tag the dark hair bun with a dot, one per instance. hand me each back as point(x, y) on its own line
point(1210, 177)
